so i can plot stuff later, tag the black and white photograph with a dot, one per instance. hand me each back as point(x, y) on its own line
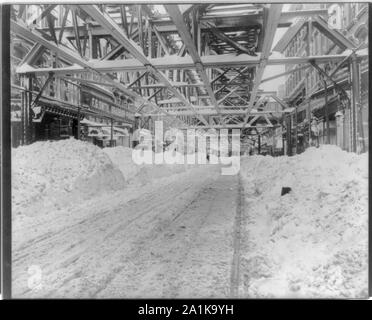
point(186, 150)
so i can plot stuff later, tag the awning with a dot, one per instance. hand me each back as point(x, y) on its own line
point(62, 112)
point(58, 108)
point(96, 129)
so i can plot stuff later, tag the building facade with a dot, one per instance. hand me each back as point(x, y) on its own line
point(53, 107)
point(322, 95)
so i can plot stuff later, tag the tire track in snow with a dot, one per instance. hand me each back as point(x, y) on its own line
point(235, 272)
point(99, 235)
point(143, 246)
point(94, 240)
point(186, 255)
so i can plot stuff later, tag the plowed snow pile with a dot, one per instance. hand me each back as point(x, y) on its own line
point(144, 173)
point(60, 172)
point(122, 158)
point(50, 175)
point(311, 242)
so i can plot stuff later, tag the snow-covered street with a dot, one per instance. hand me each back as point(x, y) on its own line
point(189, 151)
point(172, 237)
point(119, 230)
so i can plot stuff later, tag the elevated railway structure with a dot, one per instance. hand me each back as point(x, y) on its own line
point(197, 65)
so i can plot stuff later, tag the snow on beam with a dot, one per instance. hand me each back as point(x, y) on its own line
point(71, 56)
point(280, 101)
point(222, 107)
point(184, 32)
point(336, 36)
point(166, 26)
point(117, 33)
point(64, 52)
point(45, 12)
point(226, 126)
point(174, 84)
point(226, 39)
point(32, 55)
point(160, 38)
point(271, 24)
point(289, 15)
point(285, 73)
point(211, 112)
point(177, 62)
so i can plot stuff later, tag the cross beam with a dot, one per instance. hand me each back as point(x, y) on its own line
point(241, 125)
point(182, 63)
point(285, 73)
point(71, 56)
point(212, 112)
point(226, 39)
point(166, 25)
point(336, 36)
point(280, 101)
point(118, 34)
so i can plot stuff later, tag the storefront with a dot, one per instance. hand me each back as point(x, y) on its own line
point(100, 134)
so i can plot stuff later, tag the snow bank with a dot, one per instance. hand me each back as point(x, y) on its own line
point(311, 242)
point(54, 174)
point(145, 173)
point(122, 158)
point(59, 172)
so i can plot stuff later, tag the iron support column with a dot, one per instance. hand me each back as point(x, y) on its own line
point(309, 119)
point(355, 101)
point(326, 115)
point(30, 131)
point(78, 124)
point(112, 133)
point(289, 135)
point(296, 130)
point(259, 144)
point(356, 104)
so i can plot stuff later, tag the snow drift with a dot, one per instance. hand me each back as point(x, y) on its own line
point(54, 174)
point(311, 242)
point(147, 173)
point(61, 172)
point(144, 173)
point(122, 158)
